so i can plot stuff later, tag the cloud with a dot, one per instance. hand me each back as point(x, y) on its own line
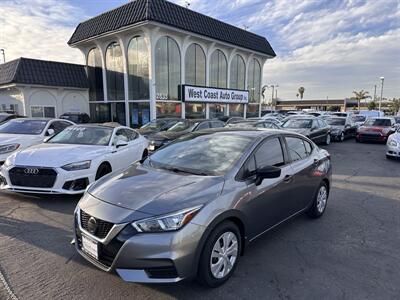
point(39, 29)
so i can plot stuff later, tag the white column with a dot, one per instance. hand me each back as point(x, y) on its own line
point(102, 50)
point(152, 37)
point(124, 49)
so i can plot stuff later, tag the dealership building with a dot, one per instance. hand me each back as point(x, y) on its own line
point(151, 59)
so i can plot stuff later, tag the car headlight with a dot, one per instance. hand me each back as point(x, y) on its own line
point(170, 222)
point(82, 165)
point(393, 143)
point(8, 148)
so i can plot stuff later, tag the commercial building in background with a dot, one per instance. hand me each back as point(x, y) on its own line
point(37, 88)
point(151, 59)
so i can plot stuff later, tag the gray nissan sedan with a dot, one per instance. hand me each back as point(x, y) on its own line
point(191, 209)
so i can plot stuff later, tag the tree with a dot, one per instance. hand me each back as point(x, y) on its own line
point(301, 92)
point(361, 95)
point(372, 105)
point(395, 105)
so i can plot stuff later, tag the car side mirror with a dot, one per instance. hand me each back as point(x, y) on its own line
point(50, 132)
point(46, 139)
point(121, 143)
point(268, 172)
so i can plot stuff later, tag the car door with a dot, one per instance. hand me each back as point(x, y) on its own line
point(315, 132)
point(303, 165)
point(135, 145)
point(268, 202)
point(324, 129)
point(121, 155)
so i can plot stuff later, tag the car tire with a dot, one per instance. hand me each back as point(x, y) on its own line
point(327, 139)
point(216, 267)
point(103, 170)
point(341, 138)
point(389, 157)
point(320, 201)
point(358, 140)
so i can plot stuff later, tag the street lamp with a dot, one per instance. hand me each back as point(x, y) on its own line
point(380, 101)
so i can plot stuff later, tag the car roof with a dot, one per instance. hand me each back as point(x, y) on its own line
point(252, 132)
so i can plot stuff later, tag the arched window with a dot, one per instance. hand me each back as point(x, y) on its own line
point(254, 80)
point(95, 75)
point(195, 65)
point(238, 72)
point(168, 69)
point(115, 72)
point(218, 70)
point(138, 69)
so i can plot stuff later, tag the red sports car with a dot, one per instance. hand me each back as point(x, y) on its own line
point(376, 129)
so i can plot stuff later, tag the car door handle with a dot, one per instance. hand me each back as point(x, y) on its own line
point(288, 178)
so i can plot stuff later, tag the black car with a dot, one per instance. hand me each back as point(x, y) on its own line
point(158, 125)
point(255, 123)
point(314, 128)
point(5, 117)
point(179, 129)
point(342, 128)
point(76, 117)
point(229, 120)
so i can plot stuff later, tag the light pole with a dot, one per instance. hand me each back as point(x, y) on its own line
point(380, 101)
point(4, 55)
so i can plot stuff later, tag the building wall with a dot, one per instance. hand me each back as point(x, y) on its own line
point(31, 98)
point(152, 34)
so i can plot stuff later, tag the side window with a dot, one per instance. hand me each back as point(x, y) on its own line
point(120, 136)
point(260, 125)
point(131, 134)
point(308, 147)
point(249, 168)
point(315, 124)
point(270, 154)
point(296, 148)
point(322, 123)
point(204, 125)
point(217, 125)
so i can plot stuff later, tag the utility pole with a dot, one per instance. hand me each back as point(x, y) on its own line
point(4, 55)
point(380, 102)
point(374, 92)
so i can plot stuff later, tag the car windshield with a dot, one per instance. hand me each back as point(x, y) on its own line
point(73, 118)
point(297, 123)
point(155, 124)
point(378, 122)
point(359, 118)
point(82, 135)
point(202, 154)
point(23, 126)
point(181, 126)
point(336, 121)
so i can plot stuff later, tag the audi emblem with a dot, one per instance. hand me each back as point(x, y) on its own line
point(31, 171)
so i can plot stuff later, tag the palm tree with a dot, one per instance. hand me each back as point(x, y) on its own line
point(361, 95)
point(301, 92)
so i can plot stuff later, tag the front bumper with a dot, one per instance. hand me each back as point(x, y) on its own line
point(62, 185)
point(143, 257)
point(372, 137)
point(393, 151)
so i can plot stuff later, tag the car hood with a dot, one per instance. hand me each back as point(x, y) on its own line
point(25, 140)
point(303, 131)
point(167, 135)
point(395, 137)
point(56, 155)
point(154, 191)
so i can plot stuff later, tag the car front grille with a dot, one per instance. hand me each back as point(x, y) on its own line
point(371, 136)
point(102, 228)
point(33, 177)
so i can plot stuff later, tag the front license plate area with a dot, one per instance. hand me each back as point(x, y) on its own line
point(90, 247)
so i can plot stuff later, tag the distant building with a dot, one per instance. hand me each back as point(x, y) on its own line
point(140, 56)
point(37, 88)
point(317, 104)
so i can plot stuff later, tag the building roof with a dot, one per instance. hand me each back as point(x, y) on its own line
point(171, 14)
point(41, 72)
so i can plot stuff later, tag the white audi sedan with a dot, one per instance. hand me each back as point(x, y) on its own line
point(68, 162)
point(19, 134)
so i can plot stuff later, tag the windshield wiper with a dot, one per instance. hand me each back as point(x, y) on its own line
point(179, 170)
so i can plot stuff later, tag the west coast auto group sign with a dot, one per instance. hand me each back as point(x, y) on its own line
point(192, 93)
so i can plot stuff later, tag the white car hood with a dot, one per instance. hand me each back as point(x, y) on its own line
point(25, 140)
point(395, 137)
point(57, 155)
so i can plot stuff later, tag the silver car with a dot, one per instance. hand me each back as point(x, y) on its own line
point(191, 208)
point(393, 145)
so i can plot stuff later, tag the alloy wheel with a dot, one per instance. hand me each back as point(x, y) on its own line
point(342, 137)
point(322, 199)
point(224, 255)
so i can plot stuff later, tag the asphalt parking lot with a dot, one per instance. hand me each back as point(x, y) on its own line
point(350, 253)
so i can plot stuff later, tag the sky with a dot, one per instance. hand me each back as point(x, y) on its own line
point(330, 47)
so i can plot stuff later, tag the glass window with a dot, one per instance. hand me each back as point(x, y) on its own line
point(204, 125)
point(217, 124)
point(195, 65)
point(270, 154)
point(100, 113)
point(296, 148)
point(238, 71)
point(217, 110)
point(90, 135)
point(138, 69)
point(139, 114)
point(168, 69)
point(236, 110)
point(59, 126)
point(23, 126)
point(166, 110)
point(118, 113)
point(43, 111)
point(115, 72)
point(195, 110)
point(252, 111)
point(308, 147)
point(131, 134)
point(120, 136)
point(95, 75)
point(254, 81)
point(218, 70)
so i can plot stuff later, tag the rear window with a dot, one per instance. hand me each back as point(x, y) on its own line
point(378, 122)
